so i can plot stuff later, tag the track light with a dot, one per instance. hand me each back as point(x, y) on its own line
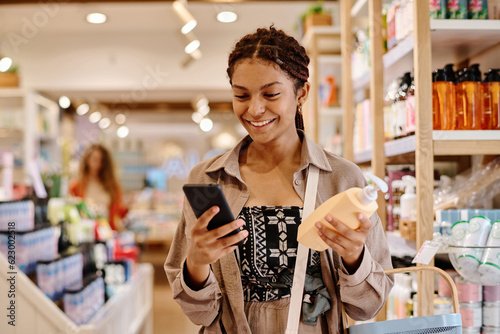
point(185, 16)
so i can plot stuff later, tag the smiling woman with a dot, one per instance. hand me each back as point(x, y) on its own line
point(246, 288)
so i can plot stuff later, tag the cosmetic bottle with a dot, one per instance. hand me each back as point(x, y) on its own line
point(410, 109)
point(461, 102)
point(486, 121)
point(436, 120)
point(493, 88)
point(345, 207)
point(473, 96)
point(400, 104)
point(445, 88)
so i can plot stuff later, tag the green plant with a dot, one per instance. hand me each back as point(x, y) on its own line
point(315, 8)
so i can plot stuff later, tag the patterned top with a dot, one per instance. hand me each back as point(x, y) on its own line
point(267, 257)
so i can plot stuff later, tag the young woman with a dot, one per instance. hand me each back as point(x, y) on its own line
point(98, 186)
point(246, 288)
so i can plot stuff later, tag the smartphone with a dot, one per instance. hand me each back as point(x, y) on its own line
point(202, 197)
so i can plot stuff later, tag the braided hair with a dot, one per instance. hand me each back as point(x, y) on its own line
point(279, 48)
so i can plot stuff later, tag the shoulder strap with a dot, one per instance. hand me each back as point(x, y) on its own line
point(299, 275)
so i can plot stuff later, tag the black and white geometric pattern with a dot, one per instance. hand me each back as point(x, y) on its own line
point(267, 257)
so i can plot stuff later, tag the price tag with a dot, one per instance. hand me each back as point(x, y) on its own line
point(426, 252)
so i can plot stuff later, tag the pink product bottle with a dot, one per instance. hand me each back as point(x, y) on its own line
point(468, 292)
point(491, 293)
point(472, 315)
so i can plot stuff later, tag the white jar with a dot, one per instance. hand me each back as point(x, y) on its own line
point(490, 266)
point(476, 235)
point(490, 330)
point(491, 314)
point(472, 316)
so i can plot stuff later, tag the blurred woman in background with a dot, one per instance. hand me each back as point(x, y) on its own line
point(98, 186)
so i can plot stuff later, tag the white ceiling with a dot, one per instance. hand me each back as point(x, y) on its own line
point(136, 55)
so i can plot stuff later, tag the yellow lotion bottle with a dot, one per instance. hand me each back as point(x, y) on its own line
point(345, 207)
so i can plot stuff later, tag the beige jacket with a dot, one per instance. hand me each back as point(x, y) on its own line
point(219, 306)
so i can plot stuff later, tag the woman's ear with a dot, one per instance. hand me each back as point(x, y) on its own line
point(303, 93)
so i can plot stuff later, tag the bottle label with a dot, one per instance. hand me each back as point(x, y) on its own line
point(426, 252)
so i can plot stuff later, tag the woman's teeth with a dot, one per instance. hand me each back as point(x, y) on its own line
point(261, 123)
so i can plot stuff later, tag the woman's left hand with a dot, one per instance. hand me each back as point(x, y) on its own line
point(348, 243)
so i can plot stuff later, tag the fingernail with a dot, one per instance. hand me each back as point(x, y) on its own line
point(360, 216)
point(318, 225)
point(216, 209)
point(240, 223)
point(245, 233)
point(328, 218)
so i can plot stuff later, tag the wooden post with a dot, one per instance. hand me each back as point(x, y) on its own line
point(424, 155)
point(346, 40)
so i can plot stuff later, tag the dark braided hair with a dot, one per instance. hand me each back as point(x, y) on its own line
point(277, 47)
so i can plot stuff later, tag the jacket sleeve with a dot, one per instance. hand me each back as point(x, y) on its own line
point(201, 306)
point(365, 291)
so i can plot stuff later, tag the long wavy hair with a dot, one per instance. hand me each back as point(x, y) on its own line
point(106, 175)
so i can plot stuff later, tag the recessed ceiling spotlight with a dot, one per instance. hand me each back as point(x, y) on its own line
point(64, 102)
point(96, 18)
point(82, 109)
point(227, 16)
point(206, 124)
point(95, 117)
point(192, 46)
point(5, 64)
point(185, 16)
point(122, 131)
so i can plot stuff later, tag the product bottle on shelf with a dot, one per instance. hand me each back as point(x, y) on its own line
point(400, 104)
point(410, 109)
point(436, 120)
point(446, 92)
point(461, 102)
point(473, 96)
point(492, 87)
point(486, 121)
point(389, 110)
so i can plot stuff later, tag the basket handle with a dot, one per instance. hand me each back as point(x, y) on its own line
point(444, 274)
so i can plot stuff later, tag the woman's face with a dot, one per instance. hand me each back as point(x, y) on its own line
point(264, 100)
point(94, 162)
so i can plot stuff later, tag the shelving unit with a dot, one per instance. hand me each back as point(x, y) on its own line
point(128, 311)
point(433, 44)
point(324, 49)
point(31, 131)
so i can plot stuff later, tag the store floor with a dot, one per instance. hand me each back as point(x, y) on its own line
point(167, 315)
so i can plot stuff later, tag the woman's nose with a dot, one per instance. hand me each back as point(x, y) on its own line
point(256, 107)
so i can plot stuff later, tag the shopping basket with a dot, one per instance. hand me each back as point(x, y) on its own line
point(433, 324)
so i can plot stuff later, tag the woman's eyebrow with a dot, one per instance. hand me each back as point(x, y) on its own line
point(261, 88)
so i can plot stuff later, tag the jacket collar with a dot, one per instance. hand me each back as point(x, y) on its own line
point(311, 153)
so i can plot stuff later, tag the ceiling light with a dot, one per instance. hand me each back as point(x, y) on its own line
point(122, 131)
point(96, 18)
point(5, 64)
point(104, 123)
point(192, 47)
point(196, 54)
point(227, 17)
point(206, 124)
point(196, 117)
point(204, 110)
point(82, 109)
point(95, 117)
point(202, 101)
point(120, 119)
point(185, 16)
point(64, 102)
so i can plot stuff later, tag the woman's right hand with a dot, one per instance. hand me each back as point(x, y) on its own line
point(209, 246)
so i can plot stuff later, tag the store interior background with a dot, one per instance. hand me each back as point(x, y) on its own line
point(134, 64)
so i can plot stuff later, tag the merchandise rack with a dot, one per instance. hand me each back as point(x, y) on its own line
point(433, 44)
point(128, 311)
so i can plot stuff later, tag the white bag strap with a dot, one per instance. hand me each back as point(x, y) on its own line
point(299, 275)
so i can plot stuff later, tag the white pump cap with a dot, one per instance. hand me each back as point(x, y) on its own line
point(369, 193)
point(410, 184)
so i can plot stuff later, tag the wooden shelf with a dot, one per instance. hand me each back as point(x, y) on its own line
point(330, 59)
point(362, 82)
point(12, 92)
point(360, 8)
point(331, 111)
point(325, 43)
point(400, 51)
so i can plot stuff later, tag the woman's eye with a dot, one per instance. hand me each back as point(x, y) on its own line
point(271, 95)
point(240, 96)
